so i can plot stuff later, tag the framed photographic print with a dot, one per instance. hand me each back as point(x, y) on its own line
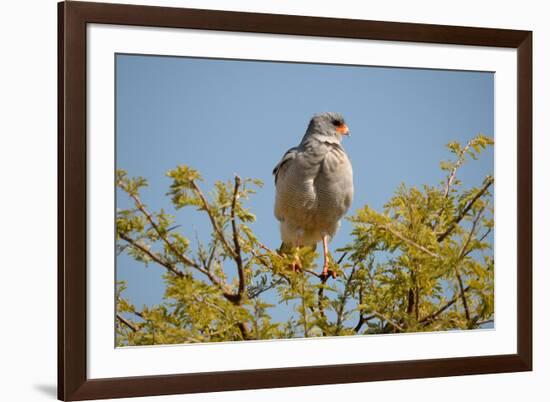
point(253, 200)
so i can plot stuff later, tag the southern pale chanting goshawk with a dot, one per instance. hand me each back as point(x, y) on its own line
point(314, 186)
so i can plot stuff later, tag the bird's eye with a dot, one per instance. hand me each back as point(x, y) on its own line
point(336, 123)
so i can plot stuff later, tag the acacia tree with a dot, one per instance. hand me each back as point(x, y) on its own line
point(423, 263)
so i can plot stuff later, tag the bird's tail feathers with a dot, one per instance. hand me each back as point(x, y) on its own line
point(284, 248)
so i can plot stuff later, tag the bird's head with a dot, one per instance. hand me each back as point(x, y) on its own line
point(328, 126)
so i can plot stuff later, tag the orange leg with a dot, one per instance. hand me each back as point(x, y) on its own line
point(326, 272)
point(325, 256)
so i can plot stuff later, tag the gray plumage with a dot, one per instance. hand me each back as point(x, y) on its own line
point(314, 183)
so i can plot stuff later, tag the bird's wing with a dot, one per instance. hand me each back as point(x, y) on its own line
point(288, 156)
point(295, 195)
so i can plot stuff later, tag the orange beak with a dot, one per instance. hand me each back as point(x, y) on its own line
point(343, 129)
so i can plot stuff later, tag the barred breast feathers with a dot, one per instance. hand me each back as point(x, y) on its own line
point(311, 177)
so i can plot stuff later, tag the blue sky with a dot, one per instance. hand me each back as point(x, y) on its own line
point(227, 116)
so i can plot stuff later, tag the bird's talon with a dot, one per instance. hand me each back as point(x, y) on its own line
point(327, 273)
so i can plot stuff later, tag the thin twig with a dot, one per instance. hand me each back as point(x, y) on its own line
point(313, 273)
point(259, 291)
point(458, 163)
point(341, 307)
point(150, 254)
point(260, 258)
point(341, 258)
point(483, 237)
point(304, 311)
point(450, 179)
point(214, 279)
point(466, 209)
point(409, 241)
point(363, 320)
point(320, 298)
point(236, 243)
point(484, 322)
point(462, 252)
point(461, 255)
point(433, 316)
point(389, 321)
point(263, 246)
point(213, 220)
point(127, 323)
point(213, 250)
point(241, 325)
point(463, 295)
point(183, 258)
point(186, 260)
point(209, 304)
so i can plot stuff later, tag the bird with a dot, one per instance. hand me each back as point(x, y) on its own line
point(314, 187)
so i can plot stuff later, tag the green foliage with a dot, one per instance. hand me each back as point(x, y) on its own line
point(423, 263)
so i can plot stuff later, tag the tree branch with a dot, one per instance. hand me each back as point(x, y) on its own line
point(409, 241)
point(463, 252)
point(156, 258)
point(320, 298)
point(461, 255)
point(458, 163)
point(389, 321)
point(236, 244)
point(362, 320)
point(265, 248)
point(466, 209)
point(209, 304)
point(127, 323)
point(450, 179)
point(245, 331)
point(484, 322)
point(186, 260)
point(276, 254)
point(482, 237)
point(214, 279)
point(259, 290)
point(463, 296)
point(183, 258)
point(341, 258)
point(341, 307)
point(213, 220)
point(426, 320)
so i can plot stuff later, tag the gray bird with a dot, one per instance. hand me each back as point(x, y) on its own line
point(314, 186)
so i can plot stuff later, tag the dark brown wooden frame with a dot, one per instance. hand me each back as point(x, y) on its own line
point(73, 383)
